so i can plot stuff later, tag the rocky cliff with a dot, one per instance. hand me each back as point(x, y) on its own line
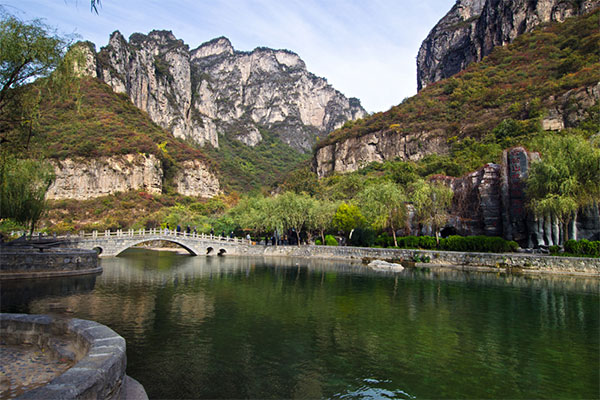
point(549, 77)
point(491, 201)
point(198, 94)
point(472, 28)
point(85, 178)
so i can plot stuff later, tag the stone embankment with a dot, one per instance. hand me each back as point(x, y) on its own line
point(97, 352)
point(21, 263)
point(513, 262)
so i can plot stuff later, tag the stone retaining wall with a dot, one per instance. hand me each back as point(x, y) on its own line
point(527, 263)
point(99, 352)
point(22, 263)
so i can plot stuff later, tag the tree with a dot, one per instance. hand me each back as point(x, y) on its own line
point(565, 179)
point(321, 216)
point(23, 187)
point(28, 51)
point(432, 203)
point(383, 205)
point(295, 210)
point(347, 217)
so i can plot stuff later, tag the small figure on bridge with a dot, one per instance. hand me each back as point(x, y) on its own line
point(212, 232)
point(187, 230)
point(178, 230)
point(231, 235)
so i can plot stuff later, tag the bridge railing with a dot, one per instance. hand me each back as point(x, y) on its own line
point(137, 233)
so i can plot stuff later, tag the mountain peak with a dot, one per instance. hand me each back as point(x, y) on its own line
point(214, 47)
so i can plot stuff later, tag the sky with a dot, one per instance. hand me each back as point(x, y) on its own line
point(364, 48)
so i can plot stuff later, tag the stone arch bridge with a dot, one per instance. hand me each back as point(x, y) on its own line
point(109, 244)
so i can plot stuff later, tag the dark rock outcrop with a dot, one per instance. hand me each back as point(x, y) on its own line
point(472, 28)
point(491, 201)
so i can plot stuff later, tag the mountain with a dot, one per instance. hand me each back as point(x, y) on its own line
point(472, 28)
point(100, 144)
point(203, 93)
point(547, 79)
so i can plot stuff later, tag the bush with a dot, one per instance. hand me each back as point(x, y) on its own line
point(362, 237)
point(330, 241)
point(487, 244)
point(554, 250)
point(583, 247)
point(318, 242)
point(384, 240)
point(427, 242)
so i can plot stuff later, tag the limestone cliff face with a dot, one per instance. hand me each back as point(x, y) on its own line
point(472, 28)
point(199, 93)
point(83, 179)
point(354, 153)
point(194, 179)
point(491, 201)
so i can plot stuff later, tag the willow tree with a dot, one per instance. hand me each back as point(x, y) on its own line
point(321, 217)
point(23, 187)
point(384, 206)
point(566, 178)
point(295, 210)
point(432, 202)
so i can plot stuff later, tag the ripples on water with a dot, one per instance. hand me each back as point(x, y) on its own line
point(231, 327)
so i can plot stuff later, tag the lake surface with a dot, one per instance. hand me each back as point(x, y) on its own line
point(228, 327)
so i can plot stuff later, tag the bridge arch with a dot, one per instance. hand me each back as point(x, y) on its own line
point(99, 250)
point(134, 243)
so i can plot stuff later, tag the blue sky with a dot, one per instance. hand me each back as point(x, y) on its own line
point(364, 48)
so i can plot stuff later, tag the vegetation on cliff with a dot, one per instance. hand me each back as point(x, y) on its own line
point(500, 101)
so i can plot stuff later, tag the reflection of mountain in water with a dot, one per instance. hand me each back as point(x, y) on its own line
point(16, 295)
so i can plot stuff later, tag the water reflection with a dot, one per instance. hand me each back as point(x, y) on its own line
point(16, 294)
point(232, 327)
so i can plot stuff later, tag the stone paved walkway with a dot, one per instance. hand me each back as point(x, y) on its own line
point(26, 367)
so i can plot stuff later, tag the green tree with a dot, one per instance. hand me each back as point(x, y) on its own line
point(347, 217)
point(27, 51)
point(432, 202)
point(23, 187)
point(321, 217)
point(295, 210)
point(565, 179)
point(383, 205)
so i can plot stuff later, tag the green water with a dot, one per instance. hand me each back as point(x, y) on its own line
point(226, 327)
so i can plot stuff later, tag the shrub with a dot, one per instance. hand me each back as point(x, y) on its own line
point(554, 250)
point(362, 237)
point(427, 242)
point(330, 241)
point(583, 247)
point(488, 244)
point(384, 240)
point(318, 242)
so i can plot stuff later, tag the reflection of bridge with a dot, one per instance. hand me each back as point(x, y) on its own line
point(113, 243)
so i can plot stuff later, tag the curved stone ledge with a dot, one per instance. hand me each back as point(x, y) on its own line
point(98, 350)
point(23, 263)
